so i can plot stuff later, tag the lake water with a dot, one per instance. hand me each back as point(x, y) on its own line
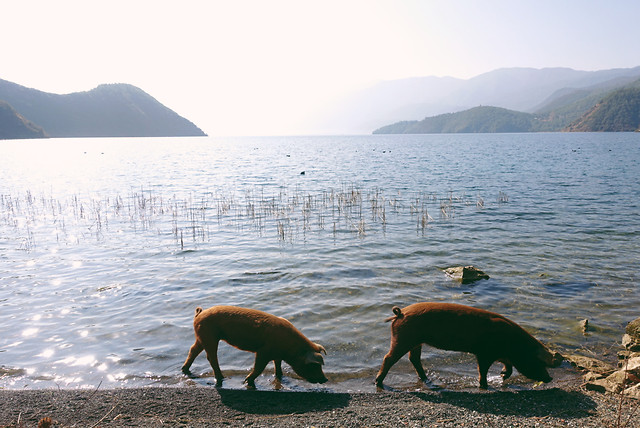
point(108, 245)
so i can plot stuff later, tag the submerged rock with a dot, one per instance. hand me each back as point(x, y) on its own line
point(584, 325)
point(465, 274)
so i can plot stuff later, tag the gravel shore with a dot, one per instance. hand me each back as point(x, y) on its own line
point(205, 407)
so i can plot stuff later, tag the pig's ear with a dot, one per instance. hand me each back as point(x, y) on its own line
point(314, 358)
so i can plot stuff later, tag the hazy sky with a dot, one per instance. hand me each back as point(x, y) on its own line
point(262, 67)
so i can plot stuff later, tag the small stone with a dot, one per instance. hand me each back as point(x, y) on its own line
point(623, 355)
point(602, 385)
point(633, 392)
point(630, 343)
point(632, 365)
point(591, 376)
point(622, 377)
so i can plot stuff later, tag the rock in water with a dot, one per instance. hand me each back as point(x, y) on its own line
point(465, 274)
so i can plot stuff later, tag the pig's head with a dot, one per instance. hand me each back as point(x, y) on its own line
point(536, 370)
point(534, 365)
point(309, 365)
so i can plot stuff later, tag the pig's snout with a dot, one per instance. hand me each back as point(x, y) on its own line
point(313, 373)
point(322, 379)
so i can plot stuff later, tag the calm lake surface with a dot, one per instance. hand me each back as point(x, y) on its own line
point(108, 245)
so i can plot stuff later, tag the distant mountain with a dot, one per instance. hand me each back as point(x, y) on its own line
point(387, 102)
point(14, 126)
point(113, 110)
point(597, 108)
point(522, 89)
point(617, 112)
point(476, 120)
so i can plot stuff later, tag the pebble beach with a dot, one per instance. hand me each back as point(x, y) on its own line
point(565, 406)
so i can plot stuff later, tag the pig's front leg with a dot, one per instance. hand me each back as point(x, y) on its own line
point(507, 370)
point(278, 367)
point(483, 367)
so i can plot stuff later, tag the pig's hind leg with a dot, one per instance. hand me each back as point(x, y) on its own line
point(395, 353)
point(278, 366)
point(212, 356)
point(414, 357)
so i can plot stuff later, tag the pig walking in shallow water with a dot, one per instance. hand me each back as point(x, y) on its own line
point(490, 336)
point(271, 338)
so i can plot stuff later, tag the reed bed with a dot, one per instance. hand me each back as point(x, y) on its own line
point(287, 214)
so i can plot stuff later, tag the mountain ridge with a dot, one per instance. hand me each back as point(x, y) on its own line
point(616, 110)
point(109, 110)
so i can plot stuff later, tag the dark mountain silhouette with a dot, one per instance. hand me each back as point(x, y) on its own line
point(113, 110)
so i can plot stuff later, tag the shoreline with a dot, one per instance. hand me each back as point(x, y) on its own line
point(566, 406)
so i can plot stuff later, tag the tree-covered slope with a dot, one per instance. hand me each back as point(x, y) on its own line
point(14, 126)
point(617, 112)
point(483, 119)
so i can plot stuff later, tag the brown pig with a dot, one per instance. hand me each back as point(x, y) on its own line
point(490, 336)
point(271, 338)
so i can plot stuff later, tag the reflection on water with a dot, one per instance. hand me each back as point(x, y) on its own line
point(108, 247)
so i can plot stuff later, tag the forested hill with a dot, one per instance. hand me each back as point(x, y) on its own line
point(113, 110)
point(12, 125)
point(618, 112)
point(481, 119)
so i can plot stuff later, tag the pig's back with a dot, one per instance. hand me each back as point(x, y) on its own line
point(463, 328)
point(244, 328)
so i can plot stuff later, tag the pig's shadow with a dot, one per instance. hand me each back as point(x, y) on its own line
point(281, 402)
point(553, 402)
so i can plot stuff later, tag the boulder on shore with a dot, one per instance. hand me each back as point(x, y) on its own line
point(603, 377)
point(631, 339)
